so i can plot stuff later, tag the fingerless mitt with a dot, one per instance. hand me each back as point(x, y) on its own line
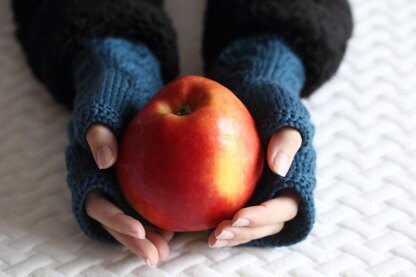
point(268, 77)
point(113, 79)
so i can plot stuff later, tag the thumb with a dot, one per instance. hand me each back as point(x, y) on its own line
point(103, 145)
point(283, 146)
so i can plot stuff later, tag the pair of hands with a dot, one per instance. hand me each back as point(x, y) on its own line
point(248, 224)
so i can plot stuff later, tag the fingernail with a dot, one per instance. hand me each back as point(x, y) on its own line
point(219, 243)
point(105, 157)
point(281, 163)
point(135, 234)
point(241, 222)
point(226, 235)
point(150, 264)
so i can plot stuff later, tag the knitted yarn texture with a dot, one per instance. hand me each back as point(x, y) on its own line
point(113, 78)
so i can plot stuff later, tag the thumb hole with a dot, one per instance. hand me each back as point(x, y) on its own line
point(103, 145)
point(282, 149)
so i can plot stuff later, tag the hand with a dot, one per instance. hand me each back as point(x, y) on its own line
point(268, 218)
point(145, 241)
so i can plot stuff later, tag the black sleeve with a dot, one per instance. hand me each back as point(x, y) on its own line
point(51, 31)
point(317, 30)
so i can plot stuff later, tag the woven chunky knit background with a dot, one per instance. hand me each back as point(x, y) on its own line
point(365, 140)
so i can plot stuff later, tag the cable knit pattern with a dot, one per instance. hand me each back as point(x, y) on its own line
point(51, 32)
point(113, 78)
point(268, 77)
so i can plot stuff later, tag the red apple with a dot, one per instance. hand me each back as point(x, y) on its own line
point(191, 157)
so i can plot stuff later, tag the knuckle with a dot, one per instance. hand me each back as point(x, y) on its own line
point(91, 201)
point(88, 208)
point(93, 131)
point(245, 236)
point(279, 227)
point(292, 137)
point(241, 213)
point(292, 213)
point(119, 215)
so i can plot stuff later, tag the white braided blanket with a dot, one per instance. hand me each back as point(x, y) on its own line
point(366, 194)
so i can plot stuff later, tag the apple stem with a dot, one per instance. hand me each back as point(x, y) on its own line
point(184, 110)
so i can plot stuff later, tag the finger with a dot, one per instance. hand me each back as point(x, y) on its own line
point(167, 235)
point(277, 210)
point(103, 145)
point(159, 242)
point(282, 149)
point(242, 235)
point(142, 248)
point(212, 240)
point(112, 217)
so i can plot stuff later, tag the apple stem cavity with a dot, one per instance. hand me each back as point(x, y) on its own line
point(184, 110)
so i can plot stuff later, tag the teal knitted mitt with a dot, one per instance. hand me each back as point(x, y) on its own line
point(268, 77)
point(113, 79)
